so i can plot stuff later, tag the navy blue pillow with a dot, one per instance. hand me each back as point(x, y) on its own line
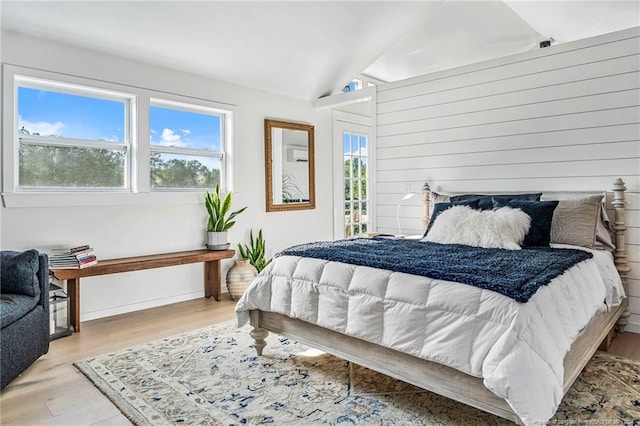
point(440, 207)
point(486, 201)
point(541, 213)
point(18, 271)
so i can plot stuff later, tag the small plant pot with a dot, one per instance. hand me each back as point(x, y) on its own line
point(217, 240)
point(239, 277)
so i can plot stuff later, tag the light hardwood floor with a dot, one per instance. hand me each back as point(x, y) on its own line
point(52, 391)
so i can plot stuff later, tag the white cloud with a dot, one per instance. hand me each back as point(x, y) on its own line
point(171, 138)
point(155, 132)
point(41, 127)
point(169, 135)
point(185, 131)
point(362, 152)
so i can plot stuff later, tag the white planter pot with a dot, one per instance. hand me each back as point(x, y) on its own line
point(217, 240)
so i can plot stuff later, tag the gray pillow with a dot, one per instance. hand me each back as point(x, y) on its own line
point(575, 221)
point(18, 273)
point(434, 198)
point(604, 230)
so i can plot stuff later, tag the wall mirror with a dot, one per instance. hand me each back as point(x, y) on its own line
point(290, 170)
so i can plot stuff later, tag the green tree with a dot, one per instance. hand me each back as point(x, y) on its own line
point(355, 179)
point(42, 165)
point(355, 191)
point(180, 173)
point(64, 166)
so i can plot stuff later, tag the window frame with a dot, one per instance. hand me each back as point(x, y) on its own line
point(201, 109)
point(356, 215)
point(127, 145)
point(140, 192)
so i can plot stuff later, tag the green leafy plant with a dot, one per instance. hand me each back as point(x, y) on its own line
point(291, 192)
point(219, 217)
point(255, 251)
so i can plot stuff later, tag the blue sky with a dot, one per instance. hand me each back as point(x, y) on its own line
point(355, 144)
point(70, 116)
point(73, 116)
point(184, 129)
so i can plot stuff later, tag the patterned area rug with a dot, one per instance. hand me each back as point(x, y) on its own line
point(213, 377)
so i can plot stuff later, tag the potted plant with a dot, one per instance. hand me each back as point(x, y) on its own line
point(255, 251)
point(252, 261)
point(220, 218)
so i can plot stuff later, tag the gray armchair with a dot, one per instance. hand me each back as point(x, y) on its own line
point(24, 311)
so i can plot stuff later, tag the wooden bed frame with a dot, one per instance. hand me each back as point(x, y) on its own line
point(438, 378)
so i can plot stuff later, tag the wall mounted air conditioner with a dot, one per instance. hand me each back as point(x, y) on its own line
point(299, 155)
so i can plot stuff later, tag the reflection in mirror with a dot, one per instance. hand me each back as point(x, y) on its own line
point(289, 158)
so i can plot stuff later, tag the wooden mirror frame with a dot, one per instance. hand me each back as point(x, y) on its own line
point(271, 206)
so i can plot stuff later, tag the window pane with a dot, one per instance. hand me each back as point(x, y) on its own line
point(363, 189)
point(355, 213)
point(184, 171)
point(185, 129)
point(48, 113)
point(347, 144)
point(347, 212)
point(347, 189)
point(363, 168)
point(70, 167)
point(356, 189)
point(347, 167)
point(354, 144)
point(363, 145)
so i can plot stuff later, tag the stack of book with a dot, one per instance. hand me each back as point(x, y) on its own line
point(72, 257)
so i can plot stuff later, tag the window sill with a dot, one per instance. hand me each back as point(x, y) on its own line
point(60, 199)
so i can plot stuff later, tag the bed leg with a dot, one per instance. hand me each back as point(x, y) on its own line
point(258, 335)
point(606, 343)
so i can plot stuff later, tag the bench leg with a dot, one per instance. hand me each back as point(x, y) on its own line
point(212, 279)
point(73, 290)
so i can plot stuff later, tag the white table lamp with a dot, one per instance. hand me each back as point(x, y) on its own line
point(406, 197)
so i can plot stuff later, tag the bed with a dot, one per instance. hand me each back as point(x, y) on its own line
point(474, 344)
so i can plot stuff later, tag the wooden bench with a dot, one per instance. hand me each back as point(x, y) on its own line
point(210, 258)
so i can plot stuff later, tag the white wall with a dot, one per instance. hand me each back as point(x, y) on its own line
point(557, 119)
point(126, 230)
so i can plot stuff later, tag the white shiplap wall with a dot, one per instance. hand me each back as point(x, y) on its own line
point(564, 118)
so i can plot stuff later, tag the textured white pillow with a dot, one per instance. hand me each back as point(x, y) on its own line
point(502, 228)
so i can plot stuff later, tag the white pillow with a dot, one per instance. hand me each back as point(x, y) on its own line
point(502, 228)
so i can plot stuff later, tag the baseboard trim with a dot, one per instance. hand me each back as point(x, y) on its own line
point(117, 310)
point(632, 327)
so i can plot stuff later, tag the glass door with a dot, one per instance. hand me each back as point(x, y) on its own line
point(356, 183)
point(353, 192)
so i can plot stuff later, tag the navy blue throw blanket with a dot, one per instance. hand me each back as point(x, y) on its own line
point(514, 273)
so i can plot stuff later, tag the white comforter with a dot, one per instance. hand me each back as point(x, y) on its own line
point(517, 348)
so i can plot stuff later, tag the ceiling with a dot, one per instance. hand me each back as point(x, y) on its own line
point(311, 49)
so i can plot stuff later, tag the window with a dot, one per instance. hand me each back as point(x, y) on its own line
point(73, 141)
point(356, 179)
point(360, 83)
point(354, 84)
point(71, 137)
point(187, 145)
